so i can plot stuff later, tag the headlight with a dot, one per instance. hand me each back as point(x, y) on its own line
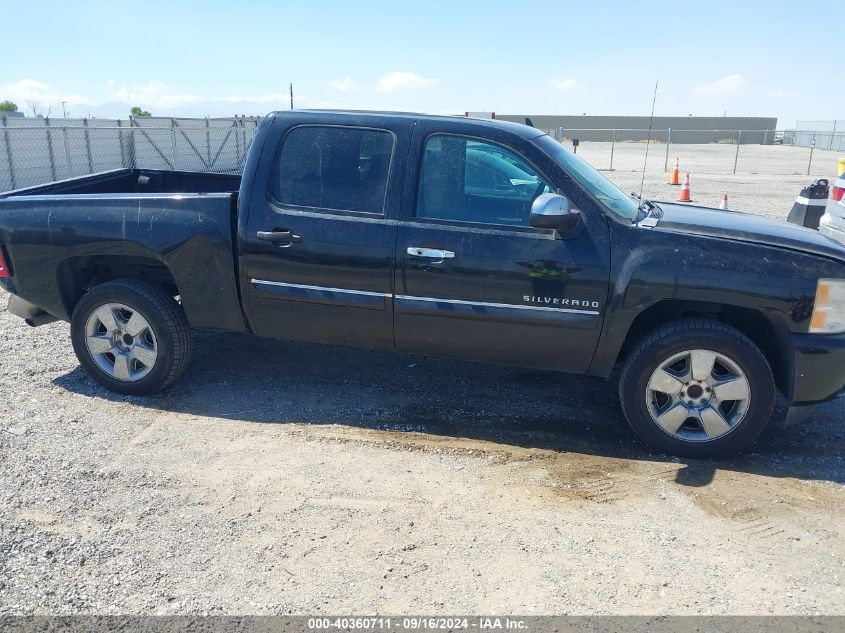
point(829, 309)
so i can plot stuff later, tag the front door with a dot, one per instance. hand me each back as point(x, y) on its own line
point(475, 280)
point(320, 239)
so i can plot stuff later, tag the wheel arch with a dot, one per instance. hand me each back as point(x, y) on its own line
point(766, 330)
point(77, 275)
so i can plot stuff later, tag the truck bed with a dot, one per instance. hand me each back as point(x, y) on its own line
point(136, 181)
point(175, 227)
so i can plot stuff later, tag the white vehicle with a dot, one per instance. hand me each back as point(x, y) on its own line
point(833, 221)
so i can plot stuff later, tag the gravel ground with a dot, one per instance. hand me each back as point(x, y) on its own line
point(291, 478)
point(287, 478)
point(768, 177)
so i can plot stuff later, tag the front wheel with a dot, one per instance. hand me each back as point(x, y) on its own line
point(131, 336)
point(697, 388)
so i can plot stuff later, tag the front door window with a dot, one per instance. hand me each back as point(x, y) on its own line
point(469, 180)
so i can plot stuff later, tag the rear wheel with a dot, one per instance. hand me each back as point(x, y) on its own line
point(697, 388)
point(131, 336)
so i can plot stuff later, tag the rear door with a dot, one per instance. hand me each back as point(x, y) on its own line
point(474, 279)
point(321, 233)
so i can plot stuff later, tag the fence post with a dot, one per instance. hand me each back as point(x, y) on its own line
point(50, 149)
point(173, 143)
point(133, 158)
point(812, 147)
point(207, 144)
point(668, 143)
point(67, 150)
point(9, 155)
point(122, 145)
point(244, 139)
point(738, 143)
point(88, 147)
point(832, 134)
point(612, 146)
point(236, 125)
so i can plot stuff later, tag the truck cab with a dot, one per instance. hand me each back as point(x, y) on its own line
point(416, 235)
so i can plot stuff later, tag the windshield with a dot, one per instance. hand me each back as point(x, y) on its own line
point(600, 187)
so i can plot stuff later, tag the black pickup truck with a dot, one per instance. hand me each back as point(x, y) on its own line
point(444, 236)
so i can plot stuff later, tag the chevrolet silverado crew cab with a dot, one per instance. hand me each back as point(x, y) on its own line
point(443, 236)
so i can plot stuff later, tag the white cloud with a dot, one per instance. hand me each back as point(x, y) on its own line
point(399, 80)
point(153, 93)
point(721, 87)
point(158, 95)
point(29, 90)
point(564, 84)
point(344, 85)
point(25, 89)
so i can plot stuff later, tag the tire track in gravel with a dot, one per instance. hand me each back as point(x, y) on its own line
point(750, 514)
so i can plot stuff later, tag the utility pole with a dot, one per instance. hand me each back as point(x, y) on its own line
point(291, 96)
point(64, 110)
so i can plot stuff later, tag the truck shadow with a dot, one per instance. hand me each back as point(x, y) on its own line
point(237, 377)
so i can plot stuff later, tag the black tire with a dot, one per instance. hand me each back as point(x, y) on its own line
point(166, 320)
point(683, 335)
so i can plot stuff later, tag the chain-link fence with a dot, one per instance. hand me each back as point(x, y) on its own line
point(39, 153)
point(768, 152)
point(823, 134)
point(37, 150)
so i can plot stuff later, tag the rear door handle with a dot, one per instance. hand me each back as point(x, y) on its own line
point(277, 236)
point(430, 253)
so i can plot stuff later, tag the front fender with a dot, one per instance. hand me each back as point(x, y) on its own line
point(650, 266)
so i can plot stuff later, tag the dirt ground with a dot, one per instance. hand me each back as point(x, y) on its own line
point(290, 478)
point(281, 478)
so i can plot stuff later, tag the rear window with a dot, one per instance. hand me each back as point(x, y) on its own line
point(334, 168)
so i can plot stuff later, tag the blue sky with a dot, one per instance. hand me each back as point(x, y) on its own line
point(205, 58)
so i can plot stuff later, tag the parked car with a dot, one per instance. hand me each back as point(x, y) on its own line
point(832, 223)
point(453, 237)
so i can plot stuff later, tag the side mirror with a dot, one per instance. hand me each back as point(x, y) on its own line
point(553, 211)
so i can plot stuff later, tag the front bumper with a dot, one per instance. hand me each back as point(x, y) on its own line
point(832, 229)
point(818, 369)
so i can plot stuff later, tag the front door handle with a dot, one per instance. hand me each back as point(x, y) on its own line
point(430, 253)
point(277, 236)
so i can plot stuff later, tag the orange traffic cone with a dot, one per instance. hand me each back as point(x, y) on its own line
point(724, 204)
point(676, 176)
point(684, 194)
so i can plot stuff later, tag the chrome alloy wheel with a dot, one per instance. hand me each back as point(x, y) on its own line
point(698, 395)
point(121, 342)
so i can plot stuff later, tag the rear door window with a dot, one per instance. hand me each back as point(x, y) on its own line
point(334, 168)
